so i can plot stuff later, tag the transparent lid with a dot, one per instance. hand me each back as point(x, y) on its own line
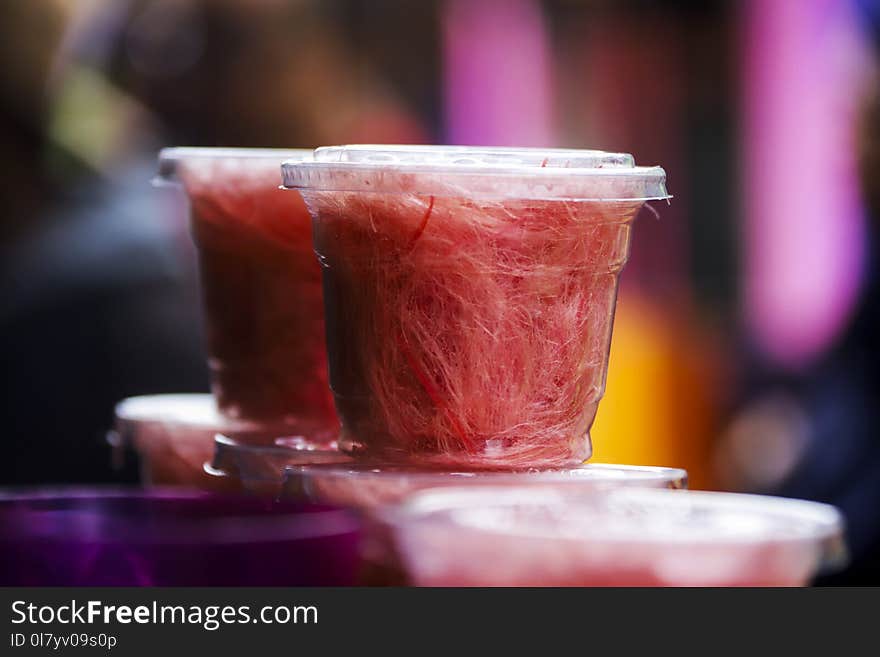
point(267, 462)
point(632, 517)
point(588, 472)
point(528, 173)
point(364, 484)
point(196, 410)
point(170, 158)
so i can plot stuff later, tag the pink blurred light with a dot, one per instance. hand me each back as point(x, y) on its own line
point(498, 85)
point(804, 226)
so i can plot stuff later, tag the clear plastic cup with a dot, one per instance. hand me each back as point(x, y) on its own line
point(259, 469)
point(368, 486)
point(261, 287)
point(621, 537)
point(173, 436)
point(101, 537)
point(469, 296)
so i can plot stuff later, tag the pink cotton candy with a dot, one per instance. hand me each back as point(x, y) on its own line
point(467, 332)
point(262, 294)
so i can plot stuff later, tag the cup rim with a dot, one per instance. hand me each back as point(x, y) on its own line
point(676, 477)
point(820, 524)
point(170, 158)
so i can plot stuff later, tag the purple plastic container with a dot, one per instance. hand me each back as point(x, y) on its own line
point(112, 537)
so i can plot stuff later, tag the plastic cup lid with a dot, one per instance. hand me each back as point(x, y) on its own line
point(632, 517)
point(369, 484)
point(170, 158)
point(185, 409)
point(190, 416)
point(194, 416)
point(471, 171)
point(267, 462)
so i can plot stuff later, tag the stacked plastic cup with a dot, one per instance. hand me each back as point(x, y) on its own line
point(469, 296)
point(457, 320)
point(264, 320)
point(261, 289)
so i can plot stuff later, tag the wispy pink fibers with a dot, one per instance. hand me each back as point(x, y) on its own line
point(498, 83)
point(804, 224)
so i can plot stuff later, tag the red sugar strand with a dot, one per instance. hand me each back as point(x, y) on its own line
point(424, 223)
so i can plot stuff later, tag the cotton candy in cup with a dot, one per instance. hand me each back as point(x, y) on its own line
point(469, 296)
point(261, 289)
point(108, 537)
point(621, 537)
point(259, 469)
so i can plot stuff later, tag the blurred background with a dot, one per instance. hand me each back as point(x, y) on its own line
point(745, 346)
